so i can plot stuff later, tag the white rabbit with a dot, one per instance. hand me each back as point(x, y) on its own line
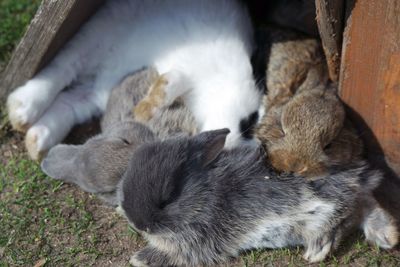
point(202, 47)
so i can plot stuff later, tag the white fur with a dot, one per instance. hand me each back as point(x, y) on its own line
point(280, 231)
point(137, 263)
point(379, 226)
point(208, 42)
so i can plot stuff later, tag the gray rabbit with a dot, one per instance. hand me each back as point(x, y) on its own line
point(98, 165)
point(198, 204)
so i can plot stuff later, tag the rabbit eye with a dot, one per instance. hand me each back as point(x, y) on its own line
point(328, 146)
point(125, 141)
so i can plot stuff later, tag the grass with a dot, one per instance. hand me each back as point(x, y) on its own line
point(31, 219)
point(14, 18)
point(353, 252)
point(44, 222)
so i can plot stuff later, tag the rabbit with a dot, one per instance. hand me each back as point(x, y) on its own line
point(198, 204)
point(304, 129)
point(299, 135)
point(98, 165)
point(303, 125)
point(203, 47)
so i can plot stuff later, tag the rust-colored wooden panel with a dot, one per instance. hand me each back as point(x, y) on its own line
point(54, 23)
point(330, 15)
point(370, 74)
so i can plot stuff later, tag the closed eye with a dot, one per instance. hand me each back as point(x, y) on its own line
point(328, 146)
point(125, 141)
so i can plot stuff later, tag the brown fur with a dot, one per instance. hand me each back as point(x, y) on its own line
point(304, 129)
point(154, 99)
point(294, 63)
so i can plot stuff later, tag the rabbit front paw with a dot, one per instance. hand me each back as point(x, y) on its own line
point(150, 256)
point(144, 111)
point(136, 262)
point(155, 98)
point(317, 249)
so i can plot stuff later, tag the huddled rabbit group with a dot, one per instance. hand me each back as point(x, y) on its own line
point(198, 160)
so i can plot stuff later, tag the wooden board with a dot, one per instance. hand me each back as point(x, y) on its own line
point(330, 16)
point(370, 75)
point(53, 25)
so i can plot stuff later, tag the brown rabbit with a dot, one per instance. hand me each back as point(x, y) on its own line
point(294, 61)
point(303, 128)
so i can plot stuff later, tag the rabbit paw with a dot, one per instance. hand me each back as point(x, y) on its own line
point(150, 256)
point(318, 249)
point(380, 229)
point(36, 141)
point(135, 261)
point(143, 111)
point(386, 238)
point(155, 98)
point(21, 111)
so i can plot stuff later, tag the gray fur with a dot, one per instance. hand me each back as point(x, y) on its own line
point(196, 211)
point(98, 165)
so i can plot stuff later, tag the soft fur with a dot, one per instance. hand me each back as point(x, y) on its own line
point(198, 204)
point(303, 127)
point(203, 46)
point(98, 165)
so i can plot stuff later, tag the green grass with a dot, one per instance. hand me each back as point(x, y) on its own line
point(353, 252)
point(37, 220)
point(44, 220)
point(14, 18)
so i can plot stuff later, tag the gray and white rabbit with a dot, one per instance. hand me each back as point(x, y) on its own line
point(98, 165)
point(197, 204)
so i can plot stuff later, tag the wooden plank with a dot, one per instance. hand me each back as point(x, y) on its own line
point(330, 16)
point(370, 75)
point(54, 23)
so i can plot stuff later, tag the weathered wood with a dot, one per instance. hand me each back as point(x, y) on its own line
point(330, 16)
point(370, 74)
point(54, 23)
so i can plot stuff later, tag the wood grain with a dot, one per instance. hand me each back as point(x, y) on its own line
point(53, 25)
point(330, 16)
point(370, 74)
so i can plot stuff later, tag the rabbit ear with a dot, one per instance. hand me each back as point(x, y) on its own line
point(60, 163)
point(210, 144)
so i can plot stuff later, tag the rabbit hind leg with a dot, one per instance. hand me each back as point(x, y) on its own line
point(318, 248)
point(69, 108)
point(380, 227)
